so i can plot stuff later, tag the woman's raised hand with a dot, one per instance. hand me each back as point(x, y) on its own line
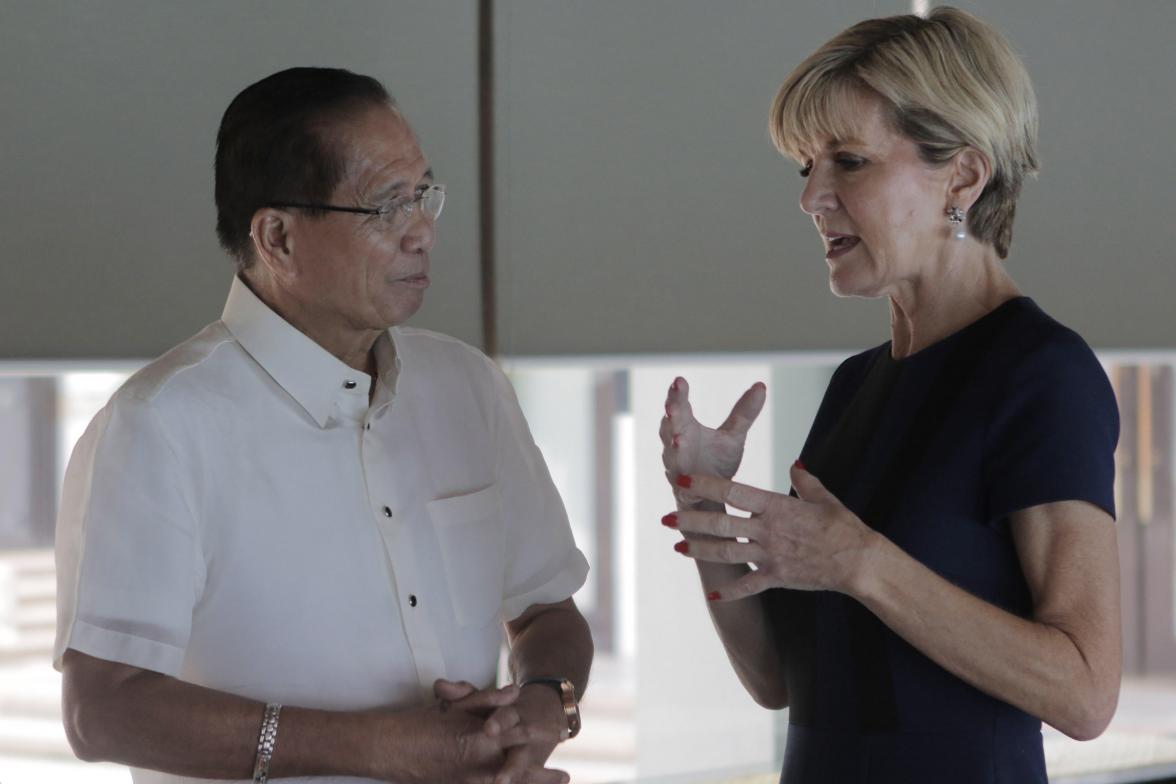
point(810, 543)
point(689, 447)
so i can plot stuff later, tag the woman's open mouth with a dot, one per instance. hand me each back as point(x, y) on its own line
point(840, 245)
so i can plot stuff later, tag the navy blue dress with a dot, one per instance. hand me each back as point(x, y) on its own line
point(936, 451)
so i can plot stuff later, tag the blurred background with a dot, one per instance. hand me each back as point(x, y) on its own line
point(616, 216)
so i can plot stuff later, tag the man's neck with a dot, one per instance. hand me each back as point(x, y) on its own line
point(350, 345)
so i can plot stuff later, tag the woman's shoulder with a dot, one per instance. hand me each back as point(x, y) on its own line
point(1053, 422)
point(1047, 377)
point(1034, 345)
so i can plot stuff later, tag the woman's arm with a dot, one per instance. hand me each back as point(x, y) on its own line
point(745, 630)
point(1062, 664)
point(687, 447)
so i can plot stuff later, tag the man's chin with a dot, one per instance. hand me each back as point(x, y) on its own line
point(403, 309)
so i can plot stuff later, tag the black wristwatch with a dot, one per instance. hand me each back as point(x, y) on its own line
point(567, 695)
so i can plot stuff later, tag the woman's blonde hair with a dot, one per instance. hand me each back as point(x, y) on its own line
point(949, 81)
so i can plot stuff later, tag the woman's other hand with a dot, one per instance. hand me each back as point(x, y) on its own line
point(689, 447)
point(809, 543)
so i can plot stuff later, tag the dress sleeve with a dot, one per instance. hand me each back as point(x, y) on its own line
point(129, 564)
point(1054, 433)
point(543, 564)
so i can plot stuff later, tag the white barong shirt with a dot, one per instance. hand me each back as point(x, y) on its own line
point(240, 517)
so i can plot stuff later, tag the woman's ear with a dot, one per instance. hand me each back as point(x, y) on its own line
point(273, 242)
point(971, 172)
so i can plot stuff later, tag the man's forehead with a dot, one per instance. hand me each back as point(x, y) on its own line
point(382, 151)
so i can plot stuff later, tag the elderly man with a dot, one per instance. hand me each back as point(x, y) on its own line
point(290, 546)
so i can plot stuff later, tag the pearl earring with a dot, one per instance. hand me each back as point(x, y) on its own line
point(955, 216)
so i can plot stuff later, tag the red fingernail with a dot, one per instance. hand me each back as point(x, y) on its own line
point(799, 465)
point(684, 480)
point(713, 596)
point(683, 547)
point(670, 520)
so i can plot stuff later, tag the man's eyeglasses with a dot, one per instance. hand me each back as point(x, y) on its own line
point(395, 215)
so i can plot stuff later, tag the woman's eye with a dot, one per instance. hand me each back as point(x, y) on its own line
point(849, 163)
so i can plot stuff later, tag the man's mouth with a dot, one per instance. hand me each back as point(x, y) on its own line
point(420, 281)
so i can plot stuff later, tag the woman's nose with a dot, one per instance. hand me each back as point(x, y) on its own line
point(818, 196)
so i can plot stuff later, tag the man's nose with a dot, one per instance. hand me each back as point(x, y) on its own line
point(420, 234)
point(818, 196)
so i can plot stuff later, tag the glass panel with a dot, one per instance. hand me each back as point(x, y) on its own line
point(595, 421)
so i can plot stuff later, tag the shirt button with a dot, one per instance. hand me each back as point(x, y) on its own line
point(387, 512)
point(412, 602)
point(349, 384)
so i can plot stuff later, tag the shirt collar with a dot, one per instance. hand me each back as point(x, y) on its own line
point(315, 378)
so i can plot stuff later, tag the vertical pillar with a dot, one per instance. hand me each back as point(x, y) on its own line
point(28, 461)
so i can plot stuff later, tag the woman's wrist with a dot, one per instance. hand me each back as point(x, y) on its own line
point(864, 580)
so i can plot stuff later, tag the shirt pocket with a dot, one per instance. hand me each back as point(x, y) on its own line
point(469, 531)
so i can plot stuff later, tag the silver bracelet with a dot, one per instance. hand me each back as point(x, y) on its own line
point(265, 743)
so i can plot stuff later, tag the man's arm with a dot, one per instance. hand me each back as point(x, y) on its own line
point(551, 640)
point(145, 719)
point(547, 640)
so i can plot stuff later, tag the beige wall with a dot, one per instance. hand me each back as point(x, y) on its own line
point(110, 110)
point(643, 208)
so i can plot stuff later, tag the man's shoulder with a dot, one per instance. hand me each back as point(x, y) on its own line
point(192, 363)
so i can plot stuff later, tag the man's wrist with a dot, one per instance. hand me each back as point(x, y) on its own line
point(543, 697)
point(390, 742)
point(545, 701)
point(266, 742)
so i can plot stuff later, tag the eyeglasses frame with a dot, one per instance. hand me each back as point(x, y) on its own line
point(407, 207)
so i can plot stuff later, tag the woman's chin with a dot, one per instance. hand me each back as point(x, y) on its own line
point(843, 285)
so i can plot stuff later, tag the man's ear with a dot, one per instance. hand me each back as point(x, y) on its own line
point(970, 173)
point(273, 242)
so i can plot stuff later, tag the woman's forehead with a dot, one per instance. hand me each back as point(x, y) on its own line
point(834, 118)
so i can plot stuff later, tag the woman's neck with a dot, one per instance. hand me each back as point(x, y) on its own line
point(925, 311)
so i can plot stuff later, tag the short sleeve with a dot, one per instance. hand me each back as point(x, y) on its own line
point(129, 565)
point(543, 564)
point(1055, 430)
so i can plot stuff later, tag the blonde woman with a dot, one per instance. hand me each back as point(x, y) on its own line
point(944, 576)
